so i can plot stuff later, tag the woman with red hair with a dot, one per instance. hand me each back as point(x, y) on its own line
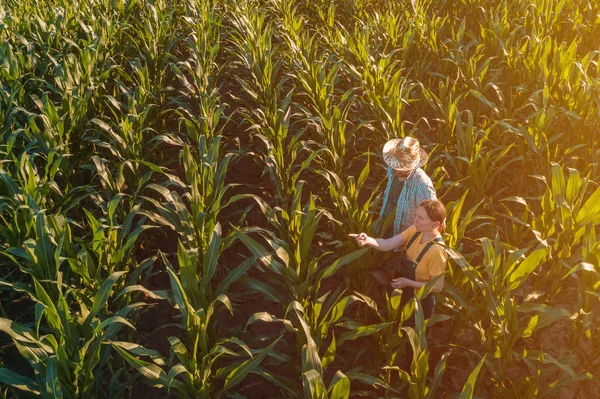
point(423, 258)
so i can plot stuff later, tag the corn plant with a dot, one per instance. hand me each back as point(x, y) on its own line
point(457, 225)
point(200, 371)
point(294, 273)
point(327, 314)
point(393, 333)
point(567, 215)
point(504, 273)
point(205, 189)
point(317, 74)
point(252, 41)
point(23, 188)
point(271, 121)
point(127, 135)
point(568, 223)
point(9, 100)
point(346, 207)
point(417, 376)
point(110, 250)
point(66, 350)
point(312, 366)
point(154, 38)
point(74, 79)
point(384, 88)
point(351, 215)
point(199, 73)
point(108, 238)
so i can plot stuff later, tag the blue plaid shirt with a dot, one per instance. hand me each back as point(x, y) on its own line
point(417, 187)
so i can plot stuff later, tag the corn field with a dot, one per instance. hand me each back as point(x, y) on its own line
point(178, 179)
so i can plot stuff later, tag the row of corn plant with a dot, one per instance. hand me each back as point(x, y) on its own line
point(66, 224)
point(204, 362)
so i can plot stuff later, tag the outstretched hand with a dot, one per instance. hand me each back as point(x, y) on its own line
point(361, 238)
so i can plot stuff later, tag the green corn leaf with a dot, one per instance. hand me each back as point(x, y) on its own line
point(180, 351)
point(234, 275)
point(15, 380)
point(455, 217)
point(339, 387)
point(156, 376)
point(44, 250)
point(369, 380)
point(330, 353)
point(280, 247)
point(574, 184)
point(313, 385)
point(233, 340)
point(336, 311)
point(521, 272)
point(153, 167)
point(546, 316)
point(224, 300)
point(266, 258)
point(160, 294)
point(310, 353)
point(132, 238)
point(19, 334)
point(470, 272)
point(52, 381)
point(469, 387)
point(344, 260)
point(139, 350)
point(80, 269)
point(188, 275)
point(179, 294)
point(174, 372)
point(101, 297)
point(590, 211)
point(112, 206)
point(265, 289)
point(363, 331)
point(209, 261)
point(50, 309)
point(482, 99)
point(547, 359)
point(269, 318)
point(583, 266)
point(440, 369)
point(112, 320)
point(238, 374)
point(512, 261)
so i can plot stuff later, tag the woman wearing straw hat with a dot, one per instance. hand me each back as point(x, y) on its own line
point(407, 183)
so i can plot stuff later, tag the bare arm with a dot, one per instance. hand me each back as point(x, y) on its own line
point(381, 244)
point(404, 282)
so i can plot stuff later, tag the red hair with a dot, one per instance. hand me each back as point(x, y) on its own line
point(436, 212)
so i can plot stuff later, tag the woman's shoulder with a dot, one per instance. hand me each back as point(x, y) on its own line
point(438, 251)
point(410, 230)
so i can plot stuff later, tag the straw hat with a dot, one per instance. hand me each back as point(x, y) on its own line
point(404, 154)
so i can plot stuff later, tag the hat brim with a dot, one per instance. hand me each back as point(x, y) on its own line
point(395, 164)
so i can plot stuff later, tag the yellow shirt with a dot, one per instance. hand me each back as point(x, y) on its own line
point(433, 263)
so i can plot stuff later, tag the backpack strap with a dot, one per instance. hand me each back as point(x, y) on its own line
point(429, 244)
